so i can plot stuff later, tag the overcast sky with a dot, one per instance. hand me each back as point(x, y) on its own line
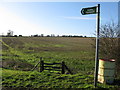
point(59, 18)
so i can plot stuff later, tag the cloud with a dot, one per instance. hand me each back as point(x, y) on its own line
point(80, 18)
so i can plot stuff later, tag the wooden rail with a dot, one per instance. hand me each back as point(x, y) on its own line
point(52, 66)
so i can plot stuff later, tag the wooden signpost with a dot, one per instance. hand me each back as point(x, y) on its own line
point(95, 10)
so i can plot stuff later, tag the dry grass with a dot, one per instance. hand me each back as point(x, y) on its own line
point(49, 43)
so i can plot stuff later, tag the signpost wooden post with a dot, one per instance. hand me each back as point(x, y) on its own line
point(95, 10)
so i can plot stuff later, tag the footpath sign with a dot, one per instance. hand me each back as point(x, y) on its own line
point(94, 10)
point(90, 10)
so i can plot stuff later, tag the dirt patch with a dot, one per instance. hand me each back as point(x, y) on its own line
point(16, 65)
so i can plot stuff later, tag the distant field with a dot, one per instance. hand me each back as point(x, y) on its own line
point(20, 54)
point(49, 43)
point(29, 49)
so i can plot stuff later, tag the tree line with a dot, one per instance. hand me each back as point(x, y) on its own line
point(53, 35)
point(10, 34)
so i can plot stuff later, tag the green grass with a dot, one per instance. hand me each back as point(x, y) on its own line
point(34, 79)
point(20, 54)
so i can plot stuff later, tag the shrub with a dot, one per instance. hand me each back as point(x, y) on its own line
point(109, 45)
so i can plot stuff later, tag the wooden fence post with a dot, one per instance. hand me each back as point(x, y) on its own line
point(63, 67)
point(41, 65)
point(68, 69)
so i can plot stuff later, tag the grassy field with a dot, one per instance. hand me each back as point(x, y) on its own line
point(20, 54)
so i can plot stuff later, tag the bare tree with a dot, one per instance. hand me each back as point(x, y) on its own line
point(10, 33)
point(109, 40)
point(109, 46)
